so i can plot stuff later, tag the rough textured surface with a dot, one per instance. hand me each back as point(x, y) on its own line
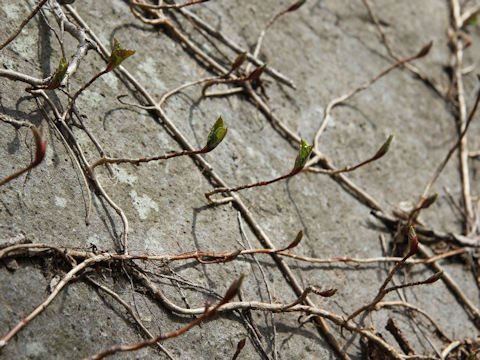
point(327, 48)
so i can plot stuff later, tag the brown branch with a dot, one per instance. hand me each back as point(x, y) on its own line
point(248, 186)
point(29, 249)
point(323, 160)
point(260, 306)
point(460, 296)
point(399, 336)
point(22, 25)
point(458, 47)
point(107, 160)
point(16, 76)
point(428, 80)
point(409, 306)
point(236, 48)
point(380, 153)
point(207, 169)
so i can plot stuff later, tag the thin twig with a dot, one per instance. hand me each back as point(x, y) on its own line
point(39, 248)
point(428, 80)
point(462, 112)
point(414, 308)
point(460, 296)
point(65, 280)
point(341, 99)
point(232, 45)
point(131, 311)
point(107, 160)
point(167, 6)
point(22, 25)
point(452, 150)
point(248, 186)
point(383, 289)
point(231, 292)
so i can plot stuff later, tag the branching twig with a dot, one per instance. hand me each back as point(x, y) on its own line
point(428, 80)
point(413, 240)
point(232, 45)
point(341, 99)
point(415, 308)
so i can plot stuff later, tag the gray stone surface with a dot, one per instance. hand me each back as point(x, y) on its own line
point(327, 48)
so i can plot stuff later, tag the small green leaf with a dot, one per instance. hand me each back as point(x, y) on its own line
point(59, 74)
point(117, 56)
point(217, 133)
point(303, 154)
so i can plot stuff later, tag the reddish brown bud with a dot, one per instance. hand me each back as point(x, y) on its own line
point(296, 5)
point(413, 241)
point(239, 61)
point(233, 289)
point(429, 201)
point(40, 145)
point(434, 278)
point(384, 149)
point(425, 50)
point(327, 293)
point(255, 74)
point(296, 241)
point(241, 344)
